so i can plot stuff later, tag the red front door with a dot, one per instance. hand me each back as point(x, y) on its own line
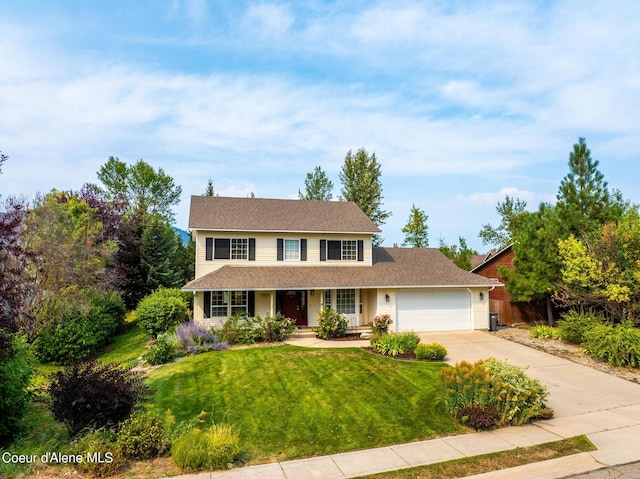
point(293, 306)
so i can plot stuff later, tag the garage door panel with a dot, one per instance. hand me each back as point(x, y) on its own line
point(432, 310)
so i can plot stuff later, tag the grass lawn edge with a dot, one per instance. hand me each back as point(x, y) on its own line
point(472, 465)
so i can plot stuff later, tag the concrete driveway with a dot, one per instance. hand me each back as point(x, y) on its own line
point(584, 400)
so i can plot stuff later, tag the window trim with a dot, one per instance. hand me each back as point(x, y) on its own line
point(296, 250)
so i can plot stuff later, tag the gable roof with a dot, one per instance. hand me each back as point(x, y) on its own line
point(493, 257)
point(392, 267)
point(259, 214)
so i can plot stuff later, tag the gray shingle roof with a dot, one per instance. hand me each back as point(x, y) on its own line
point(392, 267)
point(259, 214)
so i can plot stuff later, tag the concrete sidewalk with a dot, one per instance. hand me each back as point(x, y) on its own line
point(585, 401)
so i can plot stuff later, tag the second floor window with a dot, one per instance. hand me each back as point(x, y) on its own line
point(239, 248)
point(341, 250)
point(291, 249)
point(230, 248)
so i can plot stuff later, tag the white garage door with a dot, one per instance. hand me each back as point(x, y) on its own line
point(433, 310)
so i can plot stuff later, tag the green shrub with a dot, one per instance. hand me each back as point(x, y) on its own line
point(16, 370)
point(161, 311)
point(481, 418)
point(160, 352)
point(576, 323)
point(94, 395)
point(240, 329)
point(142, 436)
point(213, 448)
point(618, 345)
point(277, 328)
point(542, 331)
point(101, 455)
point(394, 344)
point(75, 330)
point(430, 352)
point(517, 397)
point(331, 324)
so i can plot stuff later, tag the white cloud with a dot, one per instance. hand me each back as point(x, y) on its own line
point(268, 19)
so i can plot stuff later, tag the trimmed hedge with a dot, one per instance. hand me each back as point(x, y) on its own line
point(161, 311)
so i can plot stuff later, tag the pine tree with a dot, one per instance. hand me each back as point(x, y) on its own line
point(209, 190)
point(360, 177)
point(584, 202)
point(317, 186)
point(416, 229)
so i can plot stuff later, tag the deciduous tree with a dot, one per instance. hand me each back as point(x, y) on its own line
point(144, 188)
point(510, 212)
point(63, 235)
point(603, 272)
point(416, 229)
point(317, 186)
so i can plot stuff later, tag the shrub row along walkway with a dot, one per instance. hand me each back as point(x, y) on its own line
point(585, 401)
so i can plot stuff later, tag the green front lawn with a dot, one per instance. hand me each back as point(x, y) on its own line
point(290, 402)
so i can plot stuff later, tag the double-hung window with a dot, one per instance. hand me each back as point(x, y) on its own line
point(342, 300)
point(291, 250)
point(346, 301)
point(225, 304)
point(219, 304)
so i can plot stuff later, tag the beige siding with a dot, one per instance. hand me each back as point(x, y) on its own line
point(265, 303)
point(266, 250)
point(314, 305)
point(479, 308)
point(387, 308)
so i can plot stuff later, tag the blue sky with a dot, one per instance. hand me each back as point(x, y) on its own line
point(463, 102)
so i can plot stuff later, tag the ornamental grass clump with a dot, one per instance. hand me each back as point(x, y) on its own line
point(430, 352)
point(516, 397)
point(394, 344)
point(199, 449)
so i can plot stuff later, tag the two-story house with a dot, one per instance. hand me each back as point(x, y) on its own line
point(264, 256)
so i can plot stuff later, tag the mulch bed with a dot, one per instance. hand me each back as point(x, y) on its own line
point(405, 356)
point(348, 337)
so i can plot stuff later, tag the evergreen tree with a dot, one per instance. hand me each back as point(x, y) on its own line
point(209, 190)
point(584, 202)
point(360, 177)
point(459, 254)
point(510, 212)
point(317, 186)
point(159, 255)
point(415, 230)
point(536, 266)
